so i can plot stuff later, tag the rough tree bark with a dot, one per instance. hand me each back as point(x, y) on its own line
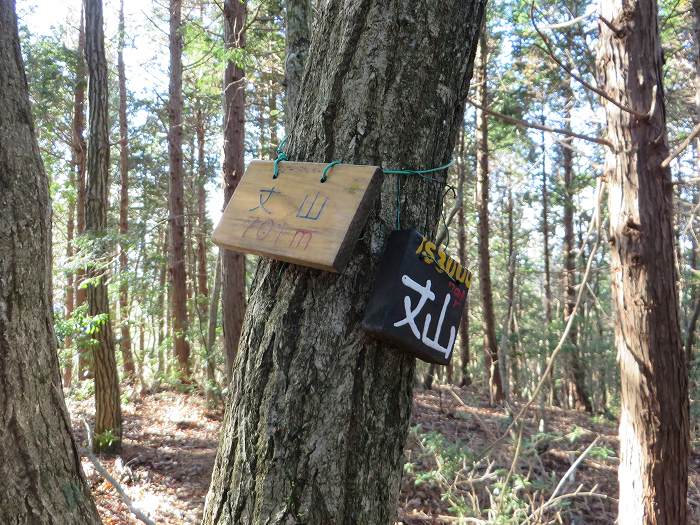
point(653, 469)
point(233, 264)
point(574, 367)
point(41, 480)
point(462, 240)
point(482, 161)
point(318, 411)
point(176, 205)
point(125, 342)
point(298, 37)
point(108, 417)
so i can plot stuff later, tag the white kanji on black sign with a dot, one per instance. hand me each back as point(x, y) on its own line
point(412, 313)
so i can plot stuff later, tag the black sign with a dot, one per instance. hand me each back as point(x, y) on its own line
point(418, 298)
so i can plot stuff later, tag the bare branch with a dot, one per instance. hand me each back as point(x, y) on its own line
point(569, 70)
point(526, 124)
point(681, 147)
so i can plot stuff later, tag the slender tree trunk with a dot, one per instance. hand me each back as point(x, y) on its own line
point(176, 205)
point(108, 417)
point(575, 368)
point(233, 264)
point(549, 388)
point(79, 154)
point(482, 160)
point(310, 388)
point(505, 357)
point(42, 481)
point(125, 342)
point(70, 284)
point(462, 239)
point(162, 280)
point(298, 39)
point(212, 390)
point(654, 437)
point(202, 286)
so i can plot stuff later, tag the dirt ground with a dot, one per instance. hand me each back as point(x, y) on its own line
point(170, 441)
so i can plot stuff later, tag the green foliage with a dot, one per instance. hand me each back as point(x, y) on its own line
point(105, 440)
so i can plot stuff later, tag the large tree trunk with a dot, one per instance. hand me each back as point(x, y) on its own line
point(482, 160)
point(575, 368)
point(79, 155)
point(108, 417)
point(298, 37)
point(462, 239)
point(125, 342)
point(41, 480)
point(176, 205)
point(233, 264)
point(318, 414)
point(653, 469)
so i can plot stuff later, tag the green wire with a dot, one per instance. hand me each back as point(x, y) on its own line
point(282, 156)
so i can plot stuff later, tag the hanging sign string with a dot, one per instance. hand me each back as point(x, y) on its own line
point(281, 156)
point(423, 174)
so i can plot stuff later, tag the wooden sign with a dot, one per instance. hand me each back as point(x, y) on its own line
point(419, 298)
point(296, 217)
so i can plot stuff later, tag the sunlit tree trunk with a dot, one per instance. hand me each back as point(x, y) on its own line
point(176, 205)
point(482, 161)
point(108, 417)
point(233, 264)
point(653, 470)
point(318, 412)
point(125, 342)
point(41, 480)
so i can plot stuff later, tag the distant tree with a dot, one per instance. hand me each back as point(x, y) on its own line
point(482, 161)
point(108, 417)
point(654, 444)
point(176, 205)
point(41, 480)
point(125, 341)
point(233, 264)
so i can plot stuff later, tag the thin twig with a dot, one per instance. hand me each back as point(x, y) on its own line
point(569, 70)
point(103, 471)
point(527, 124)
point(681, 147)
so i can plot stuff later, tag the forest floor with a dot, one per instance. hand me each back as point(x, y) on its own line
point(170, 441)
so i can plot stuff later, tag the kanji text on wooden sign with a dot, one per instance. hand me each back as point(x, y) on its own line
point(296, 217)
point(419, 297)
